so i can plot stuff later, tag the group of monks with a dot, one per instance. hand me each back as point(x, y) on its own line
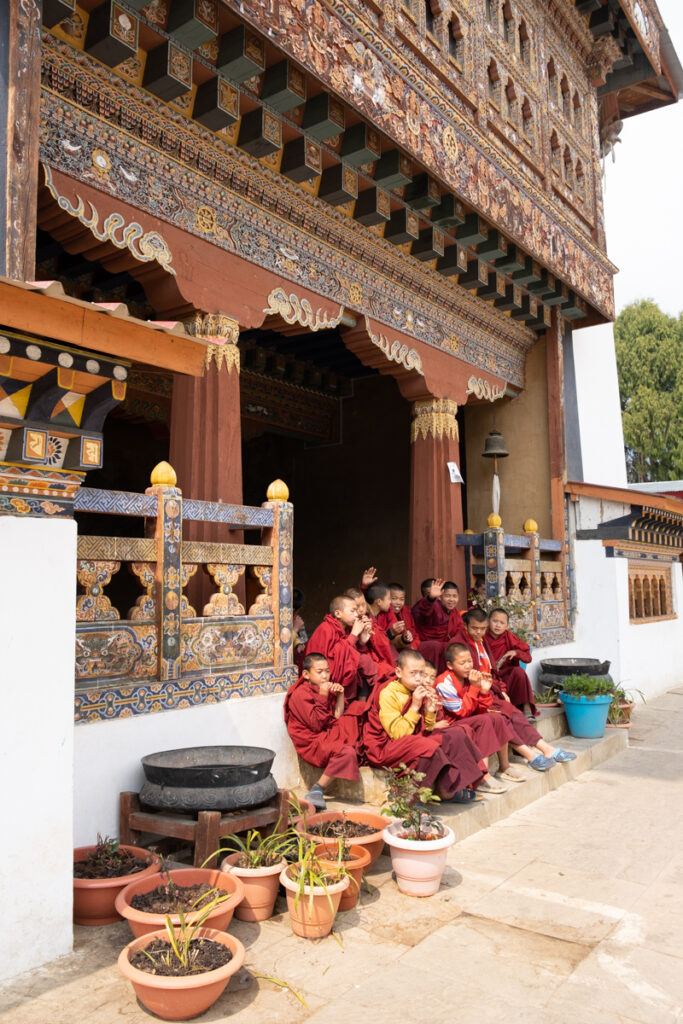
point(385, 684)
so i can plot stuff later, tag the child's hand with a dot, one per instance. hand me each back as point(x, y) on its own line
point(505, 696)
point(335, 688)
point(368, 578)
point(436, 589)
point(420, 694)
point(325, 689)
point(475, 678)
point(444, 724)
point(398, 627)
point(486, 684)
point(358, 627)
point(508, 656)
point(407, 636)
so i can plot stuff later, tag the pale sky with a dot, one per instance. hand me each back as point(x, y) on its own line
point(644, 198)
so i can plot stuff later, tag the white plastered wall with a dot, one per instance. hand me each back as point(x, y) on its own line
point(107, 754)
point(37, 613)
point(597, 388)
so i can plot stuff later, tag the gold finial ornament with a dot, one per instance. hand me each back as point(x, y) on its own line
point(494, 521)
point(469, 531)
point(278, 491)
point(530, 526)
point(163, 475)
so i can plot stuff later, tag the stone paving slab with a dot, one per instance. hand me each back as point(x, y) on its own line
point(568, 910)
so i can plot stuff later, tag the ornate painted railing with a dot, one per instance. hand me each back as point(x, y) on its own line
point(166, 653)
point(530, 572)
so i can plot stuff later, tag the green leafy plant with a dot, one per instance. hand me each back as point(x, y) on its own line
point(257, 850)
point(308, 873)
point(619, 714)
point(587, 686)
point(407, 799)
point(181, 936)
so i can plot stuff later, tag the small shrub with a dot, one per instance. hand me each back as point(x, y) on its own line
point(587, 686)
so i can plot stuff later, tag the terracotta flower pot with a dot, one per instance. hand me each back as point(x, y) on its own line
point(94, 898)
point(418, 866)
point(260, 888)
point(180, 998)
point(142, 923)
point(327, 854)
point(374, 842)
point(312, 919)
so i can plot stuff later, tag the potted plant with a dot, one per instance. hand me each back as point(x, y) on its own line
point(178, 972)
point(258, 862)
point(353, 859)
point(145, 903)
point(418, 840)
point(619, 714)
point(101, 872)
point(313, 891)
point(587, 701)
point(547, 696)
point(361, 828)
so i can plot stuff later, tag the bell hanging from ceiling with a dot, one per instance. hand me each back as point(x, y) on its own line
point(494, 446)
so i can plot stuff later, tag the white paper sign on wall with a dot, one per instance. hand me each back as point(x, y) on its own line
point(454, 473)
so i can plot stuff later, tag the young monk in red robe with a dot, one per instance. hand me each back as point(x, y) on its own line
point(506, 650)
point(402, 727)
point(437, 617)
point(524, 733)
point(339, 638)
point(401, 628)
point(375, 648)
point(324, 732)
point(379, 606)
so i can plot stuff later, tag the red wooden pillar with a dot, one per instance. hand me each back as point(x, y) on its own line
point(206, 435)
point(435, 503)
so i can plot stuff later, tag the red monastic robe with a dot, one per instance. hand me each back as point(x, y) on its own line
point(448, 758)
point(437, 628)
point(517, 683)
point(381, 650)
point(386, 621)
point(319, 738)
point(489, 731)
point(523, 730)
point(341, 650)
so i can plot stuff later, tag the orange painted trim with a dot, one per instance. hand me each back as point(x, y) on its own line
point(626, 496)
point(77, 323)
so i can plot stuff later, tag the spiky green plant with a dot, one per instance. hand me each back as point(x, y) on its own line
point(257, 850)
point(181, 936)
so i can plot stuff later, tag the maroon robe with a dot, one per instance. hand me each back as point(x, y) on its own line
point(522, 729)
point(489, 732)
point(340, 649)
point(517, 683)
point(437, 628)
point(448, 758)
point(319, 738)
point(382, 652)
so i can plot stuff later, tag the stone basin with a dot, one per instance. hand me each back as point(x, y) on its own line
point(208, 778)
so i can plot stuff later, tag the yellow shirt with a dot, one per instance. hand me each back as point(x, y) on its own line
point(392, 700)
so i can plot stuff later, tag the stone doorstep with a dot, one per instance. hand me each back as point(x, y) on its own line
point(552, 724)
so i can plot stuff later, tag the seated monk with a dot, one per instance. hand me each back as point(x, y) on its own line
point(506, 650)
point(488, 732)
point(339, 638)
point(375, 649)
point(379, 605)
point(323, 731)
point(524, 733)
point(402, 727)
point(437, 617)
point(401, 628)
point(466, 697)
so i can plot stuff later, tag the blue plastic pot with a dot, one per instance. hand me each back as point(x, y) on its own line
point(586, 716)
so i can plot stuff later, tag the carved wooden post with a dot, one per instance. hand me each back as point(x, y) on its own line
point(168, 534)
point(280, 538)
point(20, 26)
point(494, 560)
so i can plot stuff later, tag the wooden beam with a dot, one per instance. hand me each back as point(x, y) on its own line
point(19, 135)
point(78, 323)
point(626, 496)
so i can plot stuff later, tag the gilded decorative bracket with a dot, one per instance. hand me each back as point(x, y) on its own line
point(223, 334)
point(295, 310)
point(397, 352)
point(435, 418)
point(484, 389)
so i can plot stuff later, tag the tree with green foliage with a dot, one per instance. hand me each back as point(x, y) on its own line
point(649, 347)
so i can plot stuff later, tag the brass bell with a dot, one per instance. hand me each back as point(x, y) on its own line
point(494, 446)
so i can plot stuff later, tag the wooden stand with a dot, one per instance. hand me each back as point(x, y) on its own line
point(205, 831)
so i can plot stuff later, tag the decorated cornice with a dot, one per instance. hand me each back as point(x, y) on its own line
point(296, 310)
point(364, 68)
point(483, 389)
point(145, 246)
point(434, 418)
point(318, 249)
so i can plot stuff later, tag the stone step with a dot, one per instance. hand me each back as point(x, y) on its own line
point(466, 819)
point(551, 724)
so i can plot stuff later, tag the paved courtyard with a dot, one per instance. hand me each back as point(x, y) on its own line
point(569, 911)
